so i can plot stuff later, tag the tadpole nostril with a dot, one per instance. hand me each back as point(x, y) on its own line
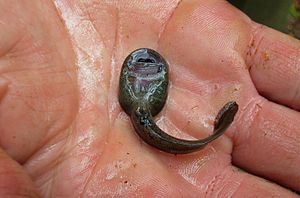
point(146, 60)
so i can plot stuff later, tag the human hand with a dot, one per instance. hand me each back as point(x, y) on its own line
point(61, 121)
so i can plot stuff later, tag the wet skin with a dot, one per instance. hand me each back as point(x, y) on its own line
point(143, 90)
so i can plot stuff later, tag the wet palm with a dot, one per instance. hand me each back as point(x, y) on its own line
point(61, 120)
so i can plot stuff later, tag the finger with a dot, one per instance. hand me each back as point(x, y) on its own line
point(274, 62)
point(214, 177)
point(232, 182)
point(14, 182)
point(235, 183)
point(267, 143)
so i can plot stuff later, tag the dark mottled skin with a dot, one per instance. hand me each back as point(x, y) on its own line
point(143, 92)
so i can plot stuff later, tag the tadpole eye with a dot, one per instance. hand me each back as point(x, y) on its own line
point(146, 60)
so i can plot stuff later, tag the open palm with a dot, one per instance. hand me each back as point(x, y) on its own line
point(61, 121)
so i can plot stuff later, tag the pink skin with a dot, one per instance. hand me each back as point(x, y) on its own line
point(61, 121)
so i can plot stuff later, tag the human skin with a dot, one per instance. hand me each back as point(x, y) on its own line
point(64, 134)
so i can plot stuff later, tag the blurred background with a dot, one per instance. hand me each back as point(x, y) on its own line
point(283, 15)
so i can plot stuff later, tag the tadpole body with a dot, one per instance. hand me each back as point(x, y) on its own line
point(143, 91)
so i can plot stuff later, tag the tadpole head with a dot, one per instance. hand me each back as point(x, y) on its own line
point(144, 78)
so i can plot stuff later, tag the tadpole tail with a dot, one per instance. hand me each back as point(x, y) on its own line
point(150, 133)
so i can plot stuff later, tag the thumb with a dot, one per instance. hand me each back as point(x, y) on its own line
point(14, 181)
